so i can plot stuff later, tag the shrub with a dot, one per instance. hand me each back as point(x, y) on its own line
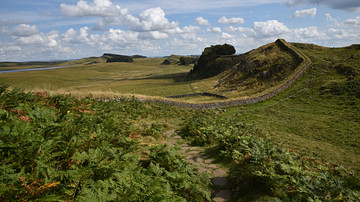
point(351, 88)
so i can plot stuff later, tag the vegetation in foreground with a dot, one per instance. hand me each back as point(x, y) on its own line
point(60, 148)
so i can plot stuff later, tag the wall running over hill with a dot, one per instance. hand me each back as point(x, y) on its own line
point(298, 72)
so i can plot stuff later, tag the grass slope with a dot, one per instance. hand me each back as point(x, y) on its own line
point(309, 115)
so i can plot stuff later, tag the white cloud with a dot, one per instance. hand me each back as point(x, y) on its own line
point(152, 19)
point(239, 29)
point(153, 35)
point(191, 38)
point(201, 21)
point(5, 31)
point(103, 8)
point(191, 28)
point(329, 18)
point(233, 21)
point(308, 32)
point(25, 30)
point(119, 36)
point(214, 29)
point(42, 39)
point(225, 35)
point(352, 22)
point(270, 28)
point(108, 21)
point(307, 12)
point(70, 35)
point(75, 37)
point(337, 33)
point(111, 14)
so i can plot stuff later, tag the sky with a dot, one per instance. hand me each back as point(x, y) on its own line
point(70, 29)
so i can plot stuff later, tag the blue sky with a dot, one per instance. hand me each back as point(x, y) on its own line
point(70, 29)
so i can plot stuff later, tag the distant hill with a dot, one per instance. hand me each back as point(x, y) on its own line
point(120, 58)
point(179, 60)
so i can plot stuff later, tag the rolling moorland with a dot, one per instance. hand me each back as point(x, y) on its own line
point(296, 139)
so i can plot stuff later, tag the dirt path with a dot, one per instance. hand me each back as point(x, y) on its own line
point(221, 190)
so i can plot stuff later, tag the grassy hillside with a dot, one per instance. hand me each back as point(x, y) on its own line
point(259, 69)
point(320, 114)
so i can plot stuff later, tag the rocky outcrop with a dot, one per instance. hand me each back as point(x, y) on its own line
point(208, 65)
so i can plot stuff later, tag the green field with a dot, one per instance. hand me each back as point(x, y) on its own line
point(144, 76)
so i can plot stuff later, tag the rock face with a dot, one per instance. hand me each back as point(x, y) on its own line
point(208, 65)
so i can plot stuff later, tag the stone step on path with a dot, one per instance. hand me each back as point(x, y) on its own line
point(195, 155)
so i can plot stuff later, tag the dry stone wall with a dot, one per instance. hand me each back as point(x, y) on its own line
point(216, 105)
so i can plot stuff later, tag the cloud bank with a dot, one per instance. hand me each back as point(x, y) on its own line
point(151, 32)
point(350, 5)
